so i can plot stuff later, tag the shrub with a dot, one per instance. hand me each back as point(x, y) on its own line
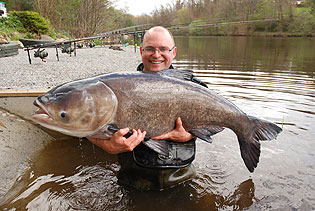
point(303, 23)
point(11, 22)
point(32, 21)
point(196, 27)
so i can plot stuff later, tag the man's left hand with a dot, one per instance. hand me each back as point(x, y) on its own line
point(179, 134)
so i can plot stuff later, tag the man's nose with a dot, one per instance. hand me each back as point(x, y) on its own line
point(157, 53)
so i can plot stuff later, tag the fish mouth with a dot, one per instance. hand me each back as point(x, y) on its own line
point(43, 117)
point(41, 113)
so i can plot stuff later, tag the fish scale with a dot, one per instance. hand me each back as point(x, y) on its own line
point(150, 101)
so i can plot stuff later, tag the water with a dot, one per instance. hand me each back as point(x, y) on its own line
point(270, 78)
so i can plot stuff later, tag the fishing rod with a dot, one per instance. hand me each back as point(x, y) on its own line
point(124, 31)
point(42, 54)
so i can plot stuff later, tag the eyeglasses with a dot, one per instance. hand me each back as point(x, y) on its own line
point(161, 50)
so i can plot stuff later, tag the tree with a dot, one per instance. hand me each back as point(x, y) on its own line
point(311, 3)
point(20, 5)
point(80, 17)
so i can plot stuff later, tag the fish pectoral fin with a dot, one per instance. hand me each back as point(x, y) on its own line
point(113, 129)
point(206, 133)
point(158, 146)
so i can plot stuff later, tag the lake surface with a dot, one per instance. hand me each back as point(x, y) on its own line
point(270, 78)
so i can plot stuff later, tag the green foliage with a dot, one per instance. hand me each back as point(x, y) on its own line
point(205, 12)
point(303, 22)
point(11, 22)
point(264, 9)
point(270, 26)
point(86, 17)
point(97, 42)
point(32, 21)
point(260, 26)
point(311, 4)
point(52, 33)
point(29, 35)
point(183, 15)
point(196, 27)
point(10, 26)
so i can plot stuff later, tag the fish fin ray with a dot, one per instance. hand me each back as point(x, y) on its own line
point(250, 152)
point(206, 133)
point(158, 146)
point(265, 130)
point(250, 147)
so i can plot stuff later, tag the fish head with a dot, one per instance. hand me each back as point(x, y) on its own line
point(78, 109)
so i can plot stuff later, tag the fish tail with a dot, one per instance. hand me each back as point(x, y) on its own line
point(261, 130)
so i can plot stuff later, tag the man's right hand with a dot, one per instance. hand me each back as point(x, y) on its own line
point(118, 143)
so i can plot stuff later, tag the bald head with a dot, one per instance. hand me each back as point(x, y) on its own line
point(167, 35)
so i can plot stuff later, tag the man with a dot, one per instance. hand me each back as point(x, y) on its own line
point(143, 168)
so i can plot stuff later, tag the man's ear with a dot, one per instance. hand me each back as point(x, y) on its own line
point(174, 52)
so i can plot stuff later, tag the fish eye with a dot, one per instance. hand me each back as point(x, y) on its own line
point(63, 114)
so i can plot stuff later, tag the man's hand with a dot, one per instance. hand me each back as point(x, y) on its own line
point(118, 143)
point(179, 134)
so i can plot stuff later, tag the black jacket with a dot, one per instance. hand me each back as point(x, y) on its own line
point(193, 79)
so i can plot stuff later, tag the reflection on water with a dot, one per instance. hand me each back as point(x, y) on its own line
point(271, 78)
point(71, 175)
point(274, 75)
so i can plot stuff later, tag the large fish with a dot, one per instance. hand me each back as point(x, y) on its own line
point(150, 101)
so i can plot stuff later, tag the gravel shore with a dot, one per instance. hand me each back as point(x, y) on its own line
point(20, 140)
point(17, 73)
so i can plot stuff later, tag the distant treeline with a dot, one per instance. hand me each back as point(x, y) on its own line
point(293, 17)
point(79, 18)
point(205, 17)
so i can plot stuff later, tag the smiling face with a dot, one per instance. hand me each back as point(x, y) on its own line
point(157, 38)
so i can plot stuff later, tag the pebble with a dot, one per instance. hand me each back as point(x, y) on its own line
point(17, 73)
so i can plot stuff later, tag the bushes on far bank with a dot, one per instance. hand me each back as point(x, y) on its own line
point(27, 24)
point(33, 22)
